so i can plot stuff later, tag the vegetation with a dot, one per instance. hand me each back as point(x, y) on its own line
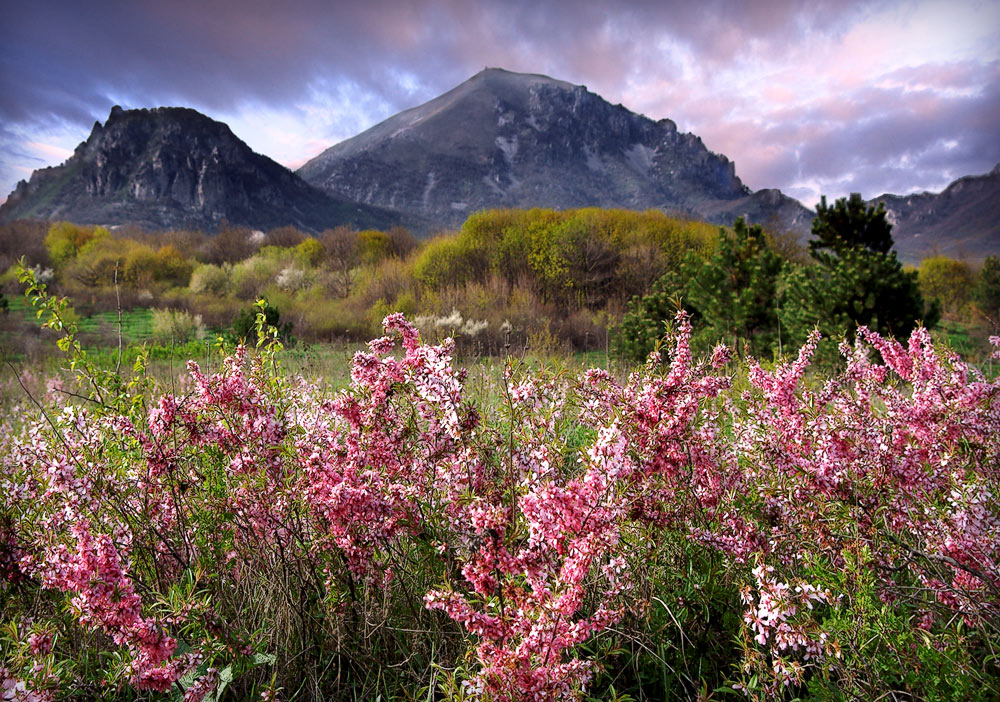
point(856, 280)
point(986, 293)
point(703, 527)
point(749, 294)
point(537, 278)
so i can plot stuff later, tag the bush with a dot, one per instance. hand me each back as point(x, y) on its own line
point(986, 293)
point(65, 240)
point(244, 327)
point(177, 327)
point(210, 279)
point(243, 531)
point(946, 282)
point(250, 277)
point(856, 280)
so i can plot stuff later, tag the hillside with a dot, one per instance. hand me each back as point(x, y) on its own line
point(963, 220)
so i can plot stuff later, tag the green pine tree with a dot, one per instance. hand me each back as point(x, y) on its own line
point(731, 298)
point(856, 279)
point(850, 224)
point(735, 290)
point(647, 319)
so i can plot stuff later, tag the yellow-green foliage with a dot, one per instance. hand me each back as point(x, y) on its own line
point(573, 258)
point(251, 276)
point(945, 280)
point(172, 267)
point(140, 266)
point(211, 279)
point(448, 259)
point(94, 264)
point(373, 245)
point(176, 326)
point(310, 251)
point(65, 240)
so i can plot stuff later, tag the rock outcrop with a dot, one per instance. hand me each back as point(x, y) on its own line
point(173, 167)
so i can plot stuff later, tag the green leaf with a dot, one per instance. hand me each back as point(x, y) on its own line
point(264, 659)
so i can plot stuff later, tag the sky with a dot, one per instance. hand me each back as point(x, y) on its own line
point(813, 98)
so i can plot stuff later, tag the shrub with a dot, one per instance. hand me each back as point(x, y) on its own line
point(172, 267)
point(310, 252)
point(986, 293)
point(946, 282)
point(177, 326)
point(250, 277)
point(65, 240)
point(246, 528)
point(245, 325)
point(211, 279)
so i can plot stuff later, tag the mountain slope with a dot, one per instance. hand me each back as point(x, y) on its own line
point(506, 139)
point(173, 167)
point(962, 220)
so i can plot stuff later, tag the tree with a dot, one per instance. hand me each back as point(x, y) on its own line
point(731, 297)
point(340, 252)
point(373, 246)
point(850, 224)
point(309, 251)
point(285, 237)
point(856, 279)
point(736, 289)
point(945, 281)
point(646, 321)
point(401, 241)
point(231, 245)
point(65, 240)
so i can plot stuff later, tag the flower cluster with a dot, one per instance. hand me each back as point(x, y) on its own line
point(189, 532)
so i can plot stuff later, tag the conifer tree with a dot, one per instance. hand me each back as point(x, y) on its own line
point(735, 290)
point(731, 298)
point(850, 224)
point(856, 280)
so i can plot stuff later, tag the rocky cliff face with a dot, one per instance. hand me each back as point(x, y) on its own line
point(505, 139)
point(173, 167)
point(963, 220)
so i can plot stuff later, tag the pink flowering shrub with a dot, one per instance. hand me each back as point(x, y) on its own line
point(660, 532)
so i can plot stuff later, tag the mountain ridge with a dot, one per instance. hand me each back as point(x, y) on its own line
point(963, 220)
point(499, 139)
point(173, 167)
point(504, 139)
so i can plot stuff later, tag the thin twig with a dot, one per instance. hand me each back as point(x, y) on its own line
point(118, 301)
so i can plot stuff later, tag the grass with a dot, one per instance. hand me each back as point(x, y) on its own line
point(136, 323)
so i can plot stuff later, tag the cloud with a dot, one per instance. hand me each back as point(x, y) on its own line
point(800, 95)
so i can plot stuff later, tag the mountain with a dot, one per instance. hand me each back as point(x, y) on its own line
point(963, 220)
point(173, 167)
point(505, 139)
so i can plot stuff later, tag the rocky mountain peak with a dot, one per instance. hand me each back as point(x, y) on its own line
point(504, 139)
point(171, 167)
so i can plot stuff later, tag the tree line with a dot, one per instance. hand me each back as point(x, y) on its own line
point(541, 278)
